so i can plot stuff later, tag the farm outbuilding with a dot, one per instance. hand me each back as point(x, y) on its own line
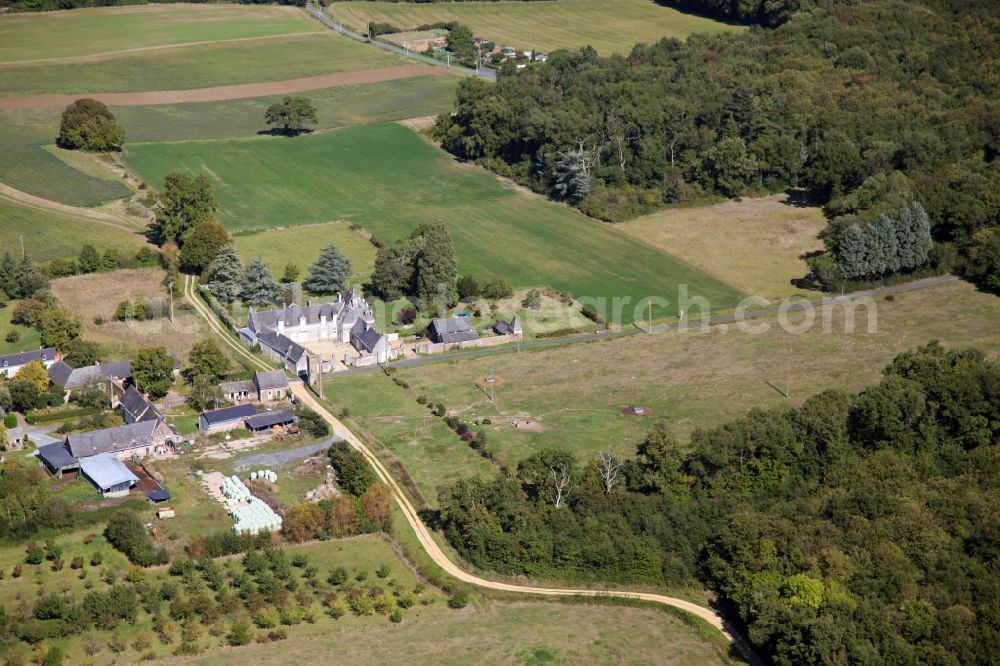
point(222, 420)
point(269, 420)
point(108, 474)
point(57, 458)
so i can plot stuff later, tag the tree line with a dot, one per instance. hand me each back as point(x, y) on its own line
point(853, 529)
point(867, 106)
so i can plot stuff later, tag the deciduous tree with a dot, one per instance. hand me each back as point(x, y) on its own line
point(291, 114)
point(153, 371)
point(182, 204)
point(202, 246)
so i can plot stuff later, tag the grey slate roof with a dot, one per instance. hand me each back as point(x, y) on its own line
point(454, 329)
point(270, 419)
point(504, 327)
point(111, 440)
point(106, 471)
point(228, 414)
point(282, 344)
point(290, 315)
point(57, 455)
point(242, 386)
point(65, 375)
point(138, 406)
point(21, 358)
point(366, 336)
point(271, 379)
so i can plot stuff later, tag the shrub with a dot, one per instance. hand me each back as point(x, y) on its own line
point(382, 604)
point(495, 289)
point(354, 473)
point(77, 562)
point(12, 336)
point(406, 316)
point(267, 618)
point(16, 571)
point(592, 314)
point(126, 533)
point(360, 603)
point(338, 576)
point(96, 559)
point(383, 571)
point(396, 616)
point(336, 608)
point(34, 554)
point(241, 633)
point(459, 599)
point(312, 423)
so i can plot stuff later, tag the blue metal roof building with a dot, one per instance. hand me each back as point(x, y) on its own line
point(227, 418)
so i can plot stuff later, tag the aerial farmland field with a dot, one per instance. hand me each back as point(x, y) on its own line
point(389, 180)
point(92, 32)
point(609, 27)
point(576, 394)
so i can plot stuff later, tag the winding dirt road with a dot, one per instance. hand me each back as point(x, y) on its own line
point(303, 394)
point(223, 93)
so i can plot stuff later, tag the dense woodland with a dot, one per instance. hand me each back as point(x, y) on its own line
point(868, 106)
point(853, 529)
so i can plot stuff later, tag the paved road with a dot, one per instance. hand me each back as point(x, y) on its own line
point(665, 328)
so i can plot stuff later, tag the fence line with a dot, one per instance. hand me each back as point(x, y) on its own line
point(319, 14)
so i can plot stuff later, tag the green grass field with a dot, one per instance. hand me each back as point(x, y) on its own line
point(49, 235)
point(335, 107)
point(199, 66)
point(692, 380)
point(386, 178)
point(27, 161)
point(29, 338)
point(610, 27)
point(716, 238)
point(26, 165)
point(86, 32)
point(301, 246)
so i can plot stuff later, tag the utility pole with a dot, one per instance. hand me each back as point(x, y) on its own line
point(22, 245)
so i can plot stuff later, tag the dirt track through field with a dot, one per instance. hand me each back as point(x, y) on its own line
point(222, 93)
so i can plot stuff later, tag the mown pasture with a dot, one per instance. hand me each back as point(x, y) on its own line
point(26, 133)
point(387, 179)
point(48, 235)
point(91, 32)
point(609, 27)
point(755, 245)
point(691, 380)
point(302, 245)
point(199, 66)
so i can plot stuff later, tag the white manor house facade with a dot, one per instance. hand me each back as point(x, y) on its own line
point(284, 334)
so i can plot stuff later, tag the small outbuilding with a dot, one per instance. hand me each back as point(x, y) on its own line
point(108, 474)
point(512, 327)
point(57, 458)
point(225, 419)
point(452, 330)
point(269, 420)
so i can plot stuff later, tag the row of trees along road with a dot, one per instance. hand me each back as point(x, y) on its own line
point(867, 106)
point(857, 528)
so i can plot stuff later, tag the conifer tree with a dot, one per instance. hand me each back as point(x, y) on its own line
point(330, 274)
point(259, 286)
point(226, 282)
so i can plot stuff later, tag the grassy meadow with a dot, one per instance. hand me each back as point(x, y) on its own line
point(28, 338)
point(89, 32)
point(26, 165)
point(98, 295)
point(302, 245)
point(48, 235)
point(691, 380)
point(30, 163)
point(500, 632)
point(609, 27)
point(387, 179)
point(753, 245)
point(199, 66)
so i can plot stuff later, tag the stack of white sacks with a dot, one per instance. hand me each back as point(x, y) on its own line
point(250, 514)
point(264, 474)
